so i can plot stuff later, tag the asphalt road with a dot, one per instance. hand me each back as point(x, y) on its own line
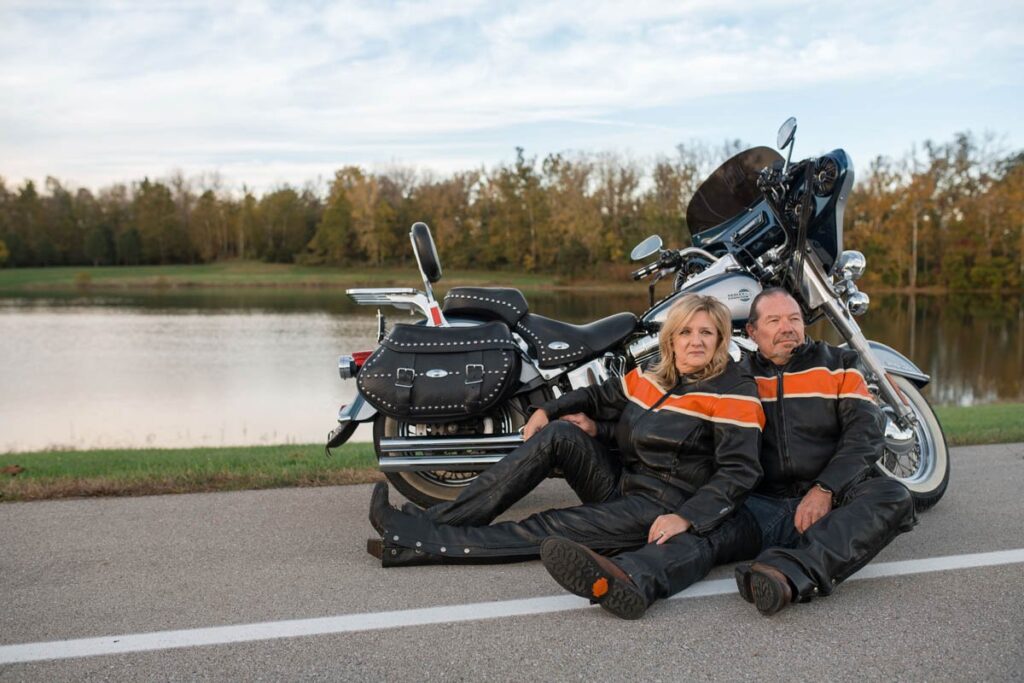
point(84, 569)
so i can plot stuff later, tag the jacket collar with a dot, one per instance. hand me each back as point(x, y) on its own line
point(797, 353)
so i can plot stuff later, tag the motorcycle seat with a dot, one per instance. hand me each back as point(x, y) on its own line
point(557, 343)
point(491, 303)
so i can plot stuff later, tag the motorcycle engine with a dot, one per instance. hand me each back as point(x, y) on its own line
point(645, 351)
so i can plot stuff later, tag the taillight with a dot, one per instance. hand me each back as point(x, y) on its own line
point(349, 364)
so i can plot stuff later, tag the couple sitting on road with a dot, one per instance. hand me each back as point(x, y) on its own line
point(769, 459)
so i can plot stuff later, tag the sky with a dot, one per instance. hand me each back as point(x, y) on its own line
point(264, 94)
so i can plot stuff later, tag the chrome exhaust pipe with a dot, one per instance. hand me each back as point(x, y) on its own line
point(502, 444)
point(493, 448)
point(452, 463)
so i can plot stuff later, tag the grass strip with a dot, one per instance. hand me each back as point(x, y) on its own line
point(984, 424)
point(75, 474)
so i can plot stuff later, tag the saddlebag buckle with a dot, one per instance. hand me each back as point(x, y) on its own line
point(474, 373)
point(404, 377)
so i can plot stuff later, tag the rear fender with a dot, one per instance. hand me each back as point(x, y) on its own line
point(357, 411)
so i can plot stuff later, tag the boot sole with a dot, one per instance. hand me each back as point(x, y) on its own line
point(769, 597)
point(578, 573)
point(743, 582)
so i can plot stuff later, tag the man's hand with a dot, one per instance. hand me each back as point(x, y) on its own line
point(815, 505)
point(536, 423)
point(665, 527)
point(583, 422)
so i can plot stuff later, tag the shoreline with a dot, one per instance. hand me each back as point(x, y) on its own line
point(46, 475)
point(258, 275)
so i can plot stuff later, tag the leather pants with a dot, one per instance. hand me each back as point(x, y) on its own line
point(608, 521)
point(661, 571)
point(589, 467)
point(870, 515)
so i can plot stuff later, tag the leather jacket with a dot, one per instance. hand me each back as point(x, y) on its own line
point(823, 425)
point(693, 447)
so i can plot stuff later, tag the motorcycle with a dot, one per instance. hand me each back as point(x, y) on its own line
point(450, 395)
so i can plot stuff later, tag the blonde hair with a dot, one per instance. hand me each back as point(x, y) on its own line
point(678, 317)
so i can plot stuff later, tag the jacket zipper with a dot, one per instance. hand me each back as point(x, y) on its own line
point(783, 431)
point(634, 430)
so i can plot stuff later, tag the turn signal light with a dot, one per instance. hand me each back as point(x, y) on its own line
point(349, 364)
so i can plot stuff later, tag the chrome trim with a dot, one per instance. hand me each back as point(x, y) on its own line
point(347, 367)
point(404, 298)
point(588, 374)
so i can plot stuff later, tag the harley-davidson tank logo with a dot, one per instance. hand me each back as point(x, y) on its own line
point(437, 374)
point(558, 346)
point(742, 295)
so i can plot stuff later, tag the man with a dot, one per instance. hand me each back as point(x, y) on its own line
point(822, 511)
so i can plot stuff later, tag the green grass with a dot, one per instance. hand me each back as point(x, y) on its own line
point(62, 474)
point(992, 423)
point(67, 474)
point(245, 274)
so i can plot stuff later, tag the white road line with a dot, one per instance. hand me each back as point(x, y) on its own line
point(348, 623)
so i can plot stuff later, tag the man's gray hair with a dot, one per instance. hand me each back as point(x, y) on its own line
point(764, 294)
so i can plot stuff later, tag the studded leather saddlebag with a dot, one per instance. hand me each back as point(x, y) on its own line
point(430, 374)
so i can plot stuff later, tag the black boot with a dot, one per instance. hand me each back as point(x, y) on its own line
point(380, 508)
point(581, 571)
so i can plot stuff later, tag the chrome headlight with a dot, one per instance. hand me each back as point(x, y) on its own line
point(851, 264)
point(858, 303)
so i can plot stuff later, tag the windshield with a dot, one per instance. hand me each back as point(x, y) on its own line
point(730, 189)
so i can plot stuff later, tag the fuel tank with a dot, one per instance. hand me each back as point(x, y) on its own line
point(735, 290)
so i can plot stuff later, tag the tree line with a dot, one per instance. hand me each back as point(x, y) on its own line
point(947, 215)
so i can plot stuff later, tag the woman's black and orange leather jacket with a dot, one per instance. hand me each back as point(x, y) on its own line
point(693, 447)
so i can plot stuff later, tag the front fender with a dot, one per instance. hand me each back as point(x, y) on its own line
point(896, 363)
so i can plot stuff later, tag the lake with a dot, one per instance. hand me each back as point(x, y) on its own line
point(255, 366)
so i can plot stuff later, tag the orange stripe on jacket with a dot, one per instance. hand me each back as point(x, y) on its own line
point(743, 411)
point(816, 382)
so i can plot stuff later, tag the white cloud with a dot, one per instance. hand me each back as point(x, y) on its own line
point(255, 85)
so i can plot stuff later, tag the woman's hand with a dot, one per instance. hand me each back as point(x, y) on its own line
point(665, 527)
point(536, 423)
point(583, 422)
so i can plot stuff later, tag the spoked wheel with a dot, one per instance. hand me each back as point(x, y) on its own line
point(917, 457)
point(429, 487)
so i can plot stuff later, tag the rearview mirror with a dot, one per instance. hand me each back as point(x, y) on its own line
point(786, 133)
point(649, 246)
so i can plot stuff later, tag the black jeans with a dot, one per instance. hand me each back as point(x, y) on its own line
point(870, 515)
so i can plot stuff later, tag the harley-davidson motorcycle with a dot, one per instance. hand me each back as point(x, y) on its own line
point(449, 396)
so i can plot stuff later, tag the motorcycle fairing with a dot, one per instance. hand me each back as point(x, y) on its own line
point(730, 189)
point(490, 303)
point(440, 373)
point(556, 343)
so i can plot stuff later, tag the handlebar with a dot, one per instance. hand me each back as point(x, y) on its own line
point(641, 273)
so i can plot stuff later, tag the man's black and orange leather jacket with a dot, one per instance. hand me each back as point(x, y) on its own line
point(823, 426)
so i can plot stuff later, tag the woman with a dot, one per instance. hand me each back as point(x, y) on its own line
point(688, 434)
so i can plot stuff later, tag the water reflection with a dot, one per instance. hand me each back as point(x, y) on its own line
point(246, 366)
point(972, 346)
